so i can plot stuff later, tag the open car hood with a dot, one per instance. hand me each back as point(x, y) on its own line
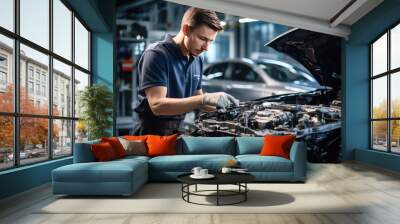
point(319, 53)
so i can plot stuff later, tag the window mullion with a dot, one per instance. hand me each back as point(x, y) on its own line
point(371, 89)
point(73, 81)
point(16, 84)
point(389, 106)
point(50, 81)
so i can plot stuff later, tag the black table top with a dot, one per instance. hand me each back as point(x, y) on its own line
point(220, 178)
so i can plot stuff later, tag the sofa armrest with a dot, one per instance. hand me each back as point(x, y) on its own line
point(83, 152)
point(298, 155)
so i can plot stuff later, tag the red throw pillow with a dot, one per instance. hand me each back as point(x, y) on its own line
point(116, 145)
point(135, 137)
point(161, 145)
point(103, 151)
point(277, 145)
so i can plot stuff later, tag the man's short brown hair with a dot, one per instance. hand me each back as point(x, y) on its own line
point(196, 17)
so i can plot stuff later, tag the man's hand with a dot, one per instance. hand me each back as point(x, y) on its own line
point(207, 108)
point(219, 99)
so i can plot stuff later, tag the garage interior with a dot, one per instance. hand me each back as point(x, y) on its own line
point(140, 23)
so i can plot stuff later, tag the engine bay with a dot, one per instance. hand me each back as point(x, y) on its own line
point(317, 124)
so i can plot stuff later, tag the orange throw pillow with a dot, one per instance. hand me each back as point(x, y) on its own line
point(135, 137)
point(116, 145)
point(277, 145)
point(103, 151)
point(161, 145)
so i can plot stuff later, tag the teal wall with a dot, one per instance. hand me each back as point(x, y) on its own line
point(103, 58)
point(99, 15)
point(103, 66)
point(95, 13)
point(24, 178)
point(356, 85)
point(380, 159)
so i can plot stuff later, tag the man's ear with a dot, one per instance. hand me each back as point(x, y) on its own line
point(186, 29)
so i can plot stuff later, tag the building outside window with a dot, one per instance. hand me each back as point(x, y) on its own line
point(38, 89)
point(37, 74)
point(34, 67)
point(3, 77)
point(43, 77)
point(3, 72)
point(3, 81)
point(30, 87)
point(385, 96)
point(43, 90)
point(30, 72)
point(55, 98)
point(3, 61)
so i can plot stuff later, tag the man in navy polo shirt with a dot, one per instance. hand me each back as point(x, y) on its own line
point(170, 74)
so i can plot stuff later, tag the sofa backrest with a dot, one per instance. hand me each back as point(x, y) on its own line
point(249, 145)
point(207, 145)
point(83, 152)
point(191, 146)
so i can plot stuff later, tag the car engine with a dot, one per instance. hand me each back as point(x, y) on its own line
point(318, 125)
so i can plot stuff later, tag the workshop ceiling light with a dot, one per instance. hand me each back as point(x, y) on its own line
point(247, 20)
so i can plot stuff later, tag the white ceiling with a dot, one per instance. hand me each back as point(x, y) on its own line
point(316, 15)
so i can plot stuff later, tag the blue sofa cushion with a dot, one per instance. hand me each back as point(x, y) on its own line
point(257, 163)
point(111, 171)
point(249, 145)
point(128, 159)
point(185, 163)
point(207, 145)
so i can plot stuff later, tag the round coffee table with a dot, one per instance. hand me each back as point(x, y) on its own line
point(238, 179)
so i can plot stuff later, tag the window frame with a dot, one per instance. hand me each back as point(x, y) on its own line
point(3, 68)
point(388, 74)
point(6, 61)
point(3, 74)
point(16, 114)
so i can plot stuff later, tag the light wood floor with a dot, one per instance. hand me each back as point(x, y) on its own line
point(377, 188)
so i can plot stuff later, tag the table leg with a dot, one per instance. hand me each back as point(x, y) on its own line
point(245, 191)
point(217, 194)
point(182, 188)
point(188, 190)
point(196, 188)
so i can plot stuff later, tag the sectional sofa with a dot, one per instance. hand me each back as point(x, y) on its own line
point(125, 176)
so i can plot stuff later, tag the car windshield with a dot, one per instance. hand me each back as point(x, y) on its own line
point(286, 74)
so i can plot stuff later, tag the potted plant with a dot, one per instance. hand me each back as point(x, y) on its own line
point(97, 108)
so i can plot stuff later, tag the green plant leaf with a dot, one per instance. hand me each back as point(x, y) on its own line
point(97, 110)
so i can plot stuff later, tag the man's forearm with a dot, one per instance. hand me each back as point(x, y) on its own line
point(176, 106)
point(206, 108)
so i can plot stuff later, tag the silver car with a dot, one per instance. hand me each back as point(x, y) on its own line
point(248, 79)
